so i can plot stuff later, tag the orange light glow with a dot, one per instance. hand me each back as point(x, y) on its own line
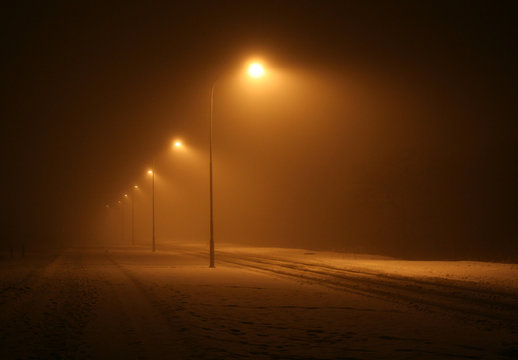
point(177, 144)
point(135, 187)
point(150, 172)
point(126, 195)
point(256, 70)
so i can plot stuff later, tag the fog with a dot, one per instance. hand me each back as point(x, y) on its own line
point(360, 191)
point(350, 160)
point(366, 134)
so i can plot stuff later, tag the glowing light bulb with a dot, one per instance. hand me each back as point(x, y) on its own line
point(255, 70)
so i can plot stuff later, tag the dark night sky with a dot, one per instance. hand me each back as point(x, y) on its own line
point(89, 87)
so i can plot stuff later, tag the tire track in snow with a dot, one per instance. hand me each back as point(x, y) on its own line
point(173, 336)
point(468, 303)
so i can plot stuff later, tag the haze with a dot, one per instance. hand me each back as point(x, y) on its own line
point(378, 133)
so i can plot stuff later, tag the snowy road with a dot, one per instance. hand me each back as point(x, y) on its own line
point(462, 299)
point(131, 304)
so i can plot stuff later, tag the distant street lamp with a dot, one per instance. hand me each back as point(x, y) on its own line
point(255, 70)
point(152, 173)
point(122, 220)
point(135, 188)
point(108, 222)
point(122, 207)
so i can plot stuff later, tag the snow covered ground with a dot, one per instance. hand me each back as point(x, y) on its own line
point(258, 303)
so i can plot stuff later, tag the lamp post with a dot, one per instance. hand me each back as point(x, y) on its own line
point(122, 220)
point(255, 70)
point(122, 206)
point(135, 188)
point(108, 225)
point(211, 206)
point(152, 173)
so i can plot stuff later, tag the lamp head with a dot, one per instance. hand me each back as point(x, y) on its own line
point(255, 70)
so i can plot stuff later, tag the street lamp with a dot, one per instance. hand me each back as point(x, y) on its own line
point(152, 173)
point(125, 197)
point(255, 70)
point(122, 220)
point(135, 188)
